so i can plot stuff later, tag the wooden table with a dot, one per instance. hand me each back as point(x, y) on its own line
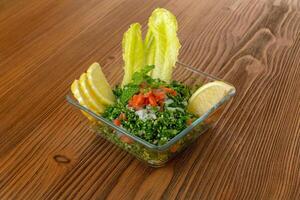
point(47, 151)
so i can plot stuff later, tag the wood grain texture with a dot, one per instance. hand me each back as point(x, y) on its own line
point(47, 151)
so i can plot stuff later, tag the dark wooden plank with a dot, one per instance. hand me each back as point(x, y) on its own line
point(47, 151)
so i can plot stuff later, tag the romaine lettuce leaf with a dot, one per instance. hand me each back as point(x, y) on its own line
point(150, 48)
point(162, 44)
point(133, 52)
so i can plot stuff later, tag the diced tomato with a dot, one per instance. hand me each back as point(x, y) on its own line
point(154, 97)
point(126, 139)
point(146, 101)
point(137, 101)
point(174, 148)
point(170, 91)
point(117, 122)
point(140, 99)
point(152, 100)
point(159, 95)
point(122, 116)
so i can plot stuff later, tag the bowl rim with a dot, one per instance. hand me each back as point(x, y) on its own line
point(71, 100)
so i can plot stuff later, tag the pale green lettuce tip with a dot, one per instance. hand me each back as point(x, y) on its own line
point(133, 52)
point(162, 44)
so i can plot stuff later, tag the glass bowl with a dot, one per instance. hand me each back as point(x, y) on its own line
point(154, 155)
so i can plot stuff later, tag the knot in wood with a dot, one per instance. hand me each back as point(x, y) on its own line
point(61, 159)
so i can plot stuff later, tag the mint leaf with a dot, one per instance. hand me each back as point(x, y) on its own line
point(139, 77)
point(128, 91)
point(132, 88)
point(147, 69)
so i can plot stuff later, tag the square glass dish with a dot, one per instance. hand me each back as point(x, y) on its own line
point(154, 155)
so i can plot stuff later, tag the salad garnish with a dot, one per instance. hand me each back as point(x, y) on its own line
point(148, 103)
point(151, 109)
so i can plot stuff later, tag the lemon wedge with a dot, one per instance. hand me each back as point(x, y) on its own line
point(207, 96)
point(75, 88)
point(100, 88)
point(91, 101)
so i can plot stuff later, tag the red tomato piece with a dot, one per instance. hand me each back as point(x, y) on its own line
point(170, 91)
point(137, 101)
point(117, 122)
point(122, 116)
point(140, 99)
point(126, 139)
point(174, 148)
point(152, 100)
point(159, 95)
point(146, 101)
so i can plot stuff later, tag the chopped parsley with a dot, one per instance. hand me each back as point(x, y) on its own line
point(151, 108)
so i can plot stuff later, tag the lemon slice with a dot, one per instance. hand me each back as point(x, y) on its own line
point(207, 96)
point(100, 88)
point(75, 88)
point(88, 96)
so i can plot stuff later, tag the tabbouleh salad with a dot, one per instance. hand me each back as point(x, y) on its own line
point(151, 109)
point(149, 104)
